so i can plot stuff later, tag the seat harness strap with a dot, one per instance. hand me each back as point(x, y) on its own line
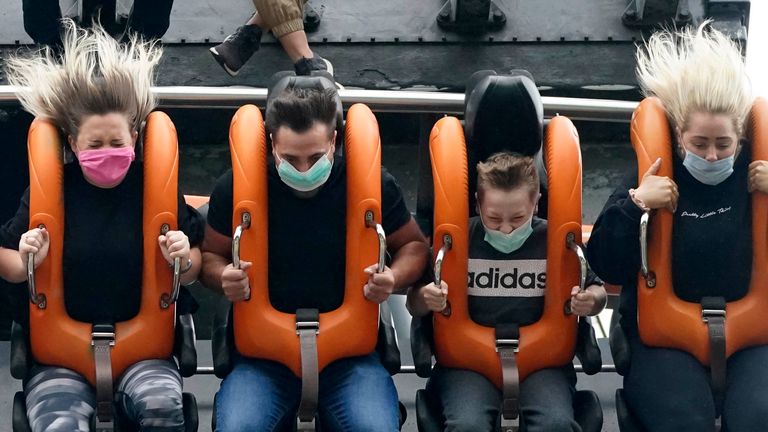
point(307, 328)
point(507, 343)
point(102, 340)
point(713, 314)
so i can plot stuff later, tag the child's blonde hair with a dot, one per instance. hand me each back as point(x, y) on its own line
point(95, 74)
point(507, 171)
point(695, 70)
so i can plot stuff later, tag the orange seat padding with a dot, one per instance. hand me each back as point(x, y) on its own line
point(57, 339)
point(351, 330)
point(549, 342)
point(665, 320)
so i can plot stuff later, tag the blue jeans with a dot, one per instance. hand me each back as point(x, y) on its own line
point(356, 394)
point(471, 403)
point(668, 390)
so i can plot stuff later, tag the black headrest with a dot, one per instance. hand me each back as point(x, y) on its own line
point(503, 112)
point(320, 80)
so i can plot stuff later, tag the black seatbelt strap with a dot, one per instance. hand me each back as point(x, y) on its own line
point(102, 340)
point(713, 314)
point(307, 328)
point(507, 343)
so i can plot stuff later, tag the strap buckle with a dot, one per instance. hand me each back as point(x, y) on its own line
point(308, 325)
point(706, 314)
point(305, 426)
point(508, 343)
point(101, 333)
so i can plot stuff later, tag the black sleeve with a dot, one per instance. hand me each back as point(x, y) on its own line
point(190, 222)
point(592, 278)
point(394, 212)
point(220, 206)
point(614, 249)
point(11, 231)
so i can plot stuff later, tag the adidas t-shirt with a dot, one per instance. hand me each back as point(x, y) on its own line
point(507, 287)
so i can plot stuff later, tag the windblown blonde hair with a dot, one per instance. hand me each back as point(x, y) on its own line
point(95, 75)
point(695, 70)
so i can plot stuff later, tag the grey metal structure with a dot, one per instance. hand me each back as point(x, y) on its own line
point(603, 110)
point(575, 47)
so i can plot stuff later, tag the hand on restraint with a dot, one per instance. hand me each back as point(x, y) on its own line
point(436, 298)
point(582, 302)
point(657, 192)
point(234, 282)
point(175, 244)
point(34, 241)
point(380, 285)
point(758, 176)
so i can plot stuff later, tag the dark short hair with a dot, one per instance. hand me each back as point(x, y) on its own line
point(299, 108)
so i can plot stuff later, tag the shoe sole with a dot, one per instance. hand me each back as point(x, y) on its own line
point(222, 63)
point(330, 71)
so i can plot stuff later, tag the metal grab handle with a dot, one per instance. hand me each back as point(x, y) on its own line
point(39, 300)
point(382, 236)
point(236, 246)
point(167, 300)
point(244, 225)
point(447, 244)
point(573, 245)
point(649, 275)
point(176, 279)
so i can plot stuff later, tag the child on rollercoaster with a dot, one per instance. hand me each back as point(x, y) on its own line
point(700, 79)
point(508, 239)
point(98, 93)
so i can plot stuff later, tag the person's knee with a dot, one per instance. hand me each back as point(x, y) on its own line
point(463, 423)
point(751, 418)
point(553, 423)
point(372, 422)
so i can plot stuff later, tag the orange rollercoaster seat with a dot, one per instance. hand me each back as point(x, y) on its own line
point(261, 331)
point(551, 341)
point(56, 338)
point(665, 320)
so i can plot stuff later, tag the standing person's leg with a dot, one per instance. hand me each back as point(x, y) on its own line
point(746, 399)
point(42, 21)
point(58, 400)
point(149, 394)
point(258, 395)
point(470, 402)
point(546, 401)
point(238, 47)
point(668, 390)
point(357, 394)
point(151, 18)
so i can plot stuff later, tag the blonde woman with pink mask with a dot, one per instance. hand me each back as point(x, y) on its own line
point(98, 94)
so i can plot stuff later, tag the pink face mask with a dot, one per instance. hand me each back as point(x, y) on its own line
point(106, 168)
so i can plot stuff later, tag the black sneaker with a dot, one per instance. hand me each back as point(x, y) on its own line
point(305, 66)
point(237, 48)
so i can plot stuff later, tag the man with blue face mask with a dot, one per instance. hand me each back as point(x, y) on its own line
point(307, 186)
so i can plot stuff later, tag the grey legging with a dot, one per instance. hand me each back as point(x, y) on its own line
point(148, 393)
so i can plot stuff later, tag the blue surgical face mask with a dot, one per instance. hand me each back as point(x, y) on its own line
point(710, 173)
point(306, 181)
point(507, 243)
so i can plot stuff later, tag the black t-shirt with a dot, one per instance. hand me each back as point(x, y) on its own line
point(506, 288)
point(103, 245)
point(712, 235)
point(307, 236)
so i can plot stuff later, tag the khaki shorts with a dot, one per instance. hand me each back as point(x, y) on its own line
point(281, 16)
